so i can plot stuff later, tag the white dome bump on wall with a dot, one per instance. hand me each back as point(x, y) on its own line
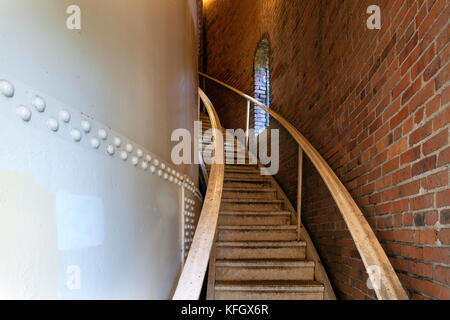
point(135, 161)
point(6, 88)
point(166, 176)
point(156, 162)
point(53, 124)
point(169, 170)
point(102, 134)
point(24, 113)
point(148, 158)
point(117, 142)
point(95, 143)
point(124, 155)
point(110, 149)
point(64, 116)
point(129, 148)
point(139, 153)
point(38, 103)
point(152, 169)
point(171, 179)
point(163, 166)
point(144, 165)
point(160, 173)
point(75, 134)
point(86, 126)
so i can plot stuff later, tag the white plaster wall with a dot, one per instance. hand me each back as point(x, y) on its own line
point(132, 67)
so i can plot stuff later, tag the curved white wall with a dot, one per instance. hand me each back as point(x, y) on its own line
point(63, 205)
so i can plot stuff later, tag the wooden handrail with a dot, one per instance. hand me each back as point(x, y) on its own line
point(386, 284)
point(194, 270)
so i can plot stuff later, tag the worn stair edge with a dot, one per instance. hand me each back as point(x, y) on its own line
point(261, 244)
point(255, 213)
point(264, 263)
point(270, 285)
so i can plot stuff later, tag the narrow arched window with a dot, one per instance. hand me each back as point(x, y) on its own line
point(260, 119)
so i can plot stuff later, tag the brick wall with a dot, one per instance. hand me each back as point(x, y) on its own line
point(375, 104)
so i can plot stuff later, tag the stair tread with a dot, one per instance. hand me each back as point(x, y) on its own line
point(256, 213)
point(270, 285)
point(244, 179)
point(265, 227)
point(262, 244)
point(252, 200)
point(264, 263)
point(249, 189)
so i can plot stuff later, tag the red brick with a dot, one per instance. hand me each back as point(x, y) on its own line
point(444, 157)
point(409, 189)
point(411, 91)
point(422, 202)
point(410, 156)
point(442, 119)
point(440, 255)
point(433, 105)
point(391, 166)
point(401, 175)
point(424, 165)
point(420, 65)
point(436, 180)
point(441, 274)
point(399, 147)
point(420, 133)
point(421, 97)
point(425, 236)
point(444, 236)
point(443, 198)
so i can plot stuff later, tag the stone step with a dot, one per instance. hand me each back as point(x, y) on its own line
point(252, 182)
point(257, 218)
point(242, 174)
point(257, 233)
point(251, 204)
point(260, 250)
point(247, 166)
point(252, 193)
point(242, 270)
point(268, 290)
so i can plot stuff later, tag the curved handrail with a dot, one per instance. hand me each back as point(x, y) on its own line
point(386, 284)
point(194, 270)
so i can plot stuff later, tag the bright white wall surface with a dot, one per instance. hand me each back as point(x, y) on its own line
point(65, 207)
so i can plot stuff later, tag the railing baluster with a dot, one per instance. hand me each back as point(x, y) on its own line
point(299, 191)
point(247, 124)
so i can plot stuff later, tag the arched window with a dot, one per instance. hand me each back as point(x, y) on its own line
point(260, 119)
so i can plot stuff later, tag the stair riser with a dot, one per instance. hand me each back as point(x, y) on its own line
point(229, 206)
point(286, 235)
point(250, 295)
point(242, 167)
point(269, 273)
point(249, 195)
point(260, 253)
point(235, 220)
point(228, 160)
point(246, 184)
point(239, 175)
